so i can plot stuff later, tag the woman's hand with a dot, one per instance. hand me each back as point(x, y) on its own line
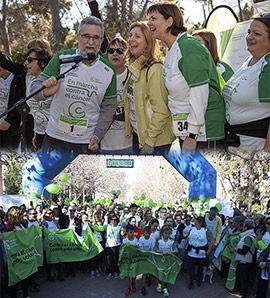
point(189, 145)
point(146, 149)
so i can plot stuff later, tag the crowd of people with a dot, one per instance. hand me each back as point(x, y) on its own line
point(194, 239)
point(137, 101)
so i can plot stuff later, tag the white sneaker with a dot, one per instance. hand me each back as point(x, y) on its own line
point(110, 276)
point(116, 275)
point(92, 274)
point(165, 292)
point(97, 272)
point(158, 288)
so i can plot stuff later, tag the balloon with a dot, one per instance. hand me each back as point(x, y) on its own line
point(113, 192)
point(136, 198)
point(76, 201)
point(67, 201)
point(169, 205)
point(64, 177)
point(123, 204)
point(143, 196)
point(184, 205)
point(160, 204)
point(219, 207)
point(118, 192)
point(102, 201)
point(52, 188)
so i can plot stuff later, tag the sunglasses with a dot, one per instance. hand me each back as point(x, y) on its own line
point(114, 219)
point(119, 51)
point(49, 213)
point(33, 213)
point(71, 210)
point(30, 59)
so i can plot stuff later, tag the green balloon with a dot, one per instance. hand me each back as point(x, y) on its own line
point(169, 205)
point(64, 177)
point(143, 196)
point(160, 204)
point(123, 204)
point(67, 201)
point(219, 207)
point(102, 201)
point(52, 188)
point(118, 192)
point(184, 205)
point(136, 198)
point(113, 192)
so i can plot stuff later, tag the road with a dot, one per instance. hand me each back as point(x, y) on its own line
point(82, 286)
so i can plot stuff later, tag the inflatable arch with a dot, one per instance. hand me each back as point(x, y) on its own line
point(45, 165)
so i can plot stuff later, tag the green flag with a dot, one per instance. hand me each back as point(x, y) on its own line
point(67, 246)
point(24, 253)
point(134, 261)
point(231, 242)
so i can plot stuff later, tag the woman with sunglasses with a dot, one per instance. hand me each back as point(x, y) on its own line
point(10, 125)
point(247, 93)
point(35, 63)
point(115, 141)
point(147, 115)
point(191, 78)
point(113, 242)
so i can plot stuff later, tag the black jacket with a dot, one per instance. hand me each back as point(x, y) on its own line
point(64, 221)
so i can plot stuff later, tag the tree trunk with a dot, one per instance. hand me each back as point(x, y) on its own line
point(240, 11)
point(143, 10)
point(3, 28)
point(130, 10)
point(59, 32)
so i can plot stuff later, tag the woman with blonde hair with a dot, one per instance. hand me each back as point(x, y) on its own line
point(147, 116)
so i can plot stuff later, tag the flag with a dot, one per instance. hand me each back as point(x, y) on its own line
point(134, 261)
point(67, 246)
point(24, 253)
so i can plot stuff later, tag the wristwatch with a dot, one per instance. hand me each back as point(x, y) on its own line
point(193, 136)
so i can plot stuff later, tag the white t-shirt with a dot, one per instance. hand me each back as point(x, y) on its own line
point(114, 138)
point(241, 95)
point(75, 109)
point(51, 225)
point(147, 244)
point(40, 110)
point(4, 92)
point(162, 245)
point(155, 235)
point(210, 224)
point(197, 238)
point(32, 223)
point(134, 241)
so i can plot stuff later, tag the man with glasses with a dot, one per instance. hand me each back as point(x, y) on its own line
point(85, 100)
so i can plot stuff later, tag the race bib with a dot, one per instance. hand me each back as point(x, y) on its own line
point(72, 126)
point(180, 124)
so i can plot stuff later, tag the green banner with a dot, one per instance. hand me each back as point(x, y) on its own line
point(200, 204)
point(134, 261)
point(67, 246)
point(24, 253)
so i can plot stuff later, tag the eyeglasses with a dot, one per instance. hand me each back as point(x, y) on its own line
point(119, 51)
point(86, 37)
point(71, 210)
point(30, 59)
point(114, 219)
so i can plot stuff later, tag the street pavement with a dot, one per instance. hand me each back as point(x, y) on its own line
point(82, 286)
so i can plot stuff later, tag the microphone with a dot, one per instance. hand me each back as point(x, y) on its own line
point(78, 58)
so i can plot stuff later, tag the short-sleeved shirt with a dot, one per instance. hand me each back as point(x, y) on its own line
point(4, 92)
point(199, 238)
point(147, 244)
point(134, 241)
point(76, 106)
point(161, 244)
